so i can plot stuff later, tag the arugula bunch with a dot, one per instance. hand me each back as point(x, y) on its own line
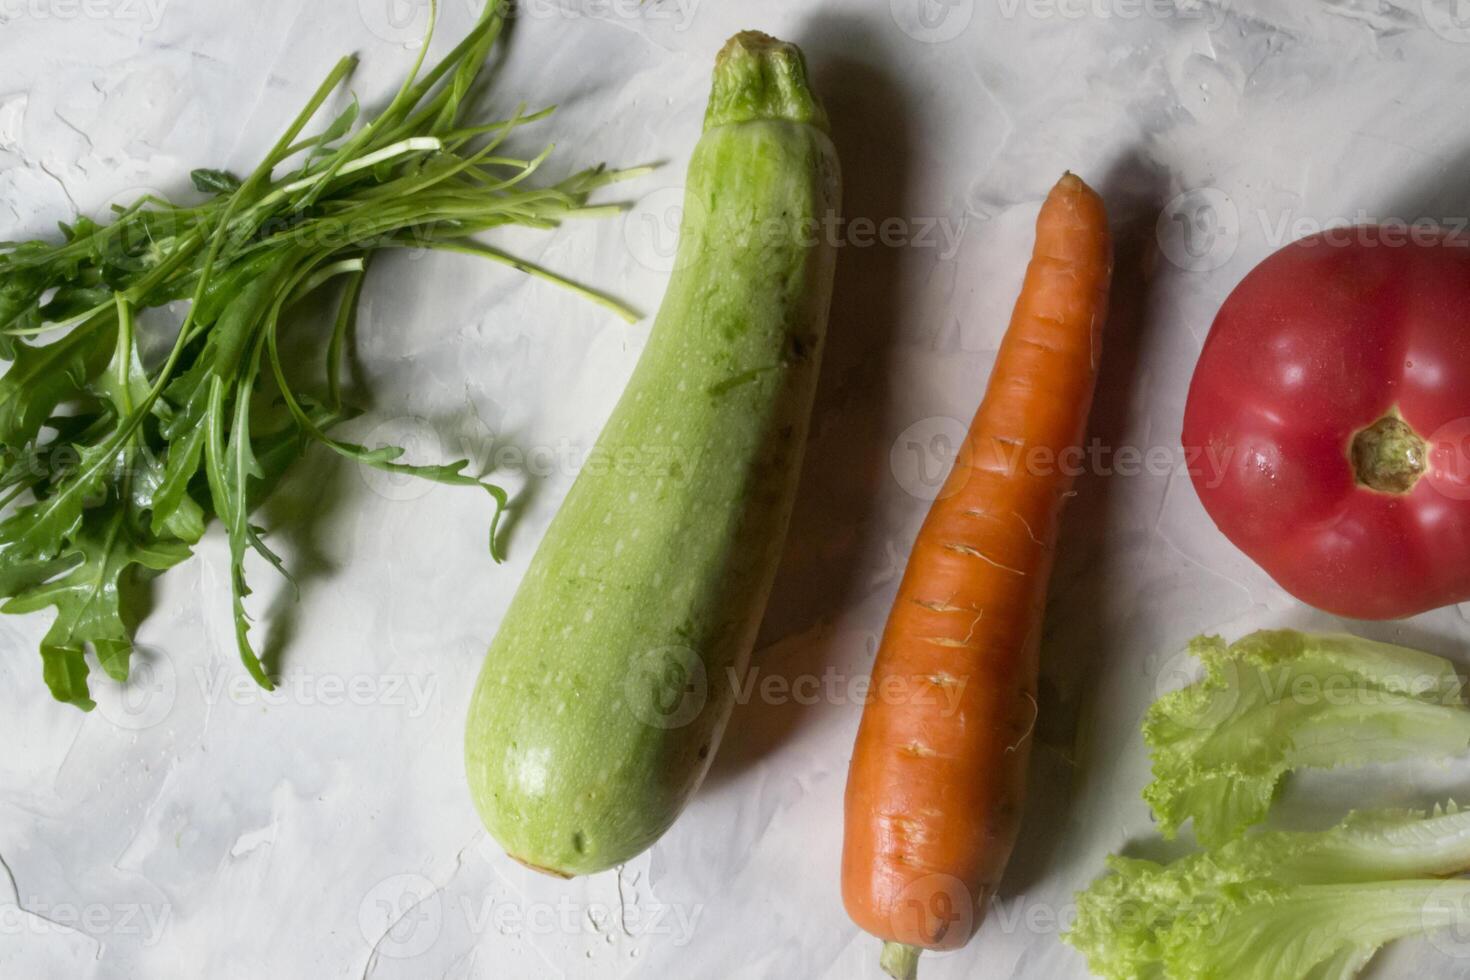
point(111, 467)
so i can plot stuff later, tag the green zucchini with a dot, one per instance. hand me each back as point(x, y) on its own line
point(606, 690)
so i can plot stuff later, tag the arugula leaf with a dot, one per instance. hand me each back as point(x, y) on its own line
point(18, 576)
point(88, 602)
point(161, 487)
point(239, 321)
point(44, 528)
point(41, 378)
point(214, 181)
point(19, 291)
point(231, 465)
point(339, 128)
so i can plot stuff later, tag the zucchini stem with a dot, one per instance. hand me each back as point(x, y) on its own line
point(760, 78)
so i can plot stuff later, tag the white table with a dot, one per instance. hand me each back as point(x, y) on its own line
point(192, 826)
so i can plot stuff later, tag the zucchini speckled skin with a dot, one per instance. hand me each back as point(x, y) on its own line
point(605, 693)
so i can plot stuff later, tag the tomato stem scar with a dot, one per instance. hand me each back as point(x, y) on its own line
point(1388, 456)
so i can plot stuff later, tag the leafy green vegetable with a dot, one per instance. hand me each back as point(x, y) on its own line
point(217, 181)
point(110, 467)
point(87, 599)
point(1279, 906)
point(1281, 700)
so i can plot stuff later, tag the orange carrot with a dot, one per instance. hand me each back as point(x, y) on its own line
point(937, 776)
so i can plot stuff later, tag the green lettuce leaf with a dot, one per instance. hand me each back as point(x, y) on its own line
point(1279, 906)
point(1280, 700)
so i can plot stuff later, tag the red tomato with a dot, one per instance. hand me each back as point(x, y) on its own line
point(1328, 423)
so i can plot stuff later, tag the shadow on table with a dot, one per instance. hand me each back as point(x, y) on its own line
point(1440, 193)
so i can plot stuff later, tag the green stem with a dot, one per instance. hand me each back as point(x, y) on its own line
point(322, 275)
point(124, 379)
point(530, 269)
point(124, 352)
point(899, 961)
point(395, 109)
point(760, 78)
point(75, 321)
point(418, 144)
point(341, 327)
point(187, 246)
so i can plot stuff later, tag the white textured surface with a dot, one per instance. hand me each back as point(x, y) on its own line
point(193, 827)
